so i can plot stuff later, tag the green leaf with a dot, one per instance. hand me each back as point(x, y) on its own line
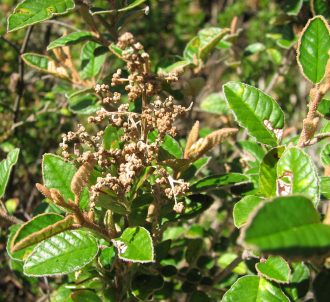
point(275, 268)
point(209, 38)
point(70, 39)
point(190, 52)
point(85, 296)
point(254, 48)
point(254, 149)
point(243, 208)
point(6, 166)
point(215, 103)
point(64, 253)
point(45, 64)
point(325, 155)
point(91, 63)
point(172, 146)
point(324, 108)
point(296, 171)
point(200, 47)
point(111, 137)
point(254, 289)
point(293, 7)
point(29, 12)
point(216, 181)
point(135, 245)
point(268, 172)
point(175, 67)
point(255, 111)
point(39, 229)
point(194, 168)
point(287, 226)
point(107, 202)
point(299, 281)
point(83, 103)
point(320, 7)
point(313, 48)
point(97, 11)
point(57, 174)
point(325, 186)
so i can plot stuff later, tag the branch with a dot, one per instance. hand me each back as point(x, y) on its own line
point(227, 270)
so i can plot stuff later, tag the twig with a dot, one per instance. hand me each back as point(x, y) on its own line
point(11, 44)
point(319, 137)
point(227, 270)
point(56, 22)
point(8, 219)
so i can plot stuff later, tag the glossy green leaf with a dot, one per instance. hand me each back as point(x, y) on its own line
point(296, 171)
point(325, 155)
point(215, 103)
point(91, 63)
point(275, 268)
point(313, 49)
point(70, 39)
point(325, 186)
point(83, 103)
point(268, 172)
point(39, 229)
point(244, 208)
point(45, 64)
point(254, 289)
point(6, 166)
point(216, 181)
point(29, 12)
point(57, 174)
point(320, 7)
point(61, 254)
point(255, 111)
point(172, 146)
point(135, 245)
point(287, 226)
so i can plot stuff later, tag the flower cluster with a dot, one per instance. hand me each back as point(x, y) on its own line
point(121, 165)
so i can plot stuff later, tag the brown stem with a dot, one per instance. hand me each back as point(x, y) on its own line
point(311, 121)
point(8, 219)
